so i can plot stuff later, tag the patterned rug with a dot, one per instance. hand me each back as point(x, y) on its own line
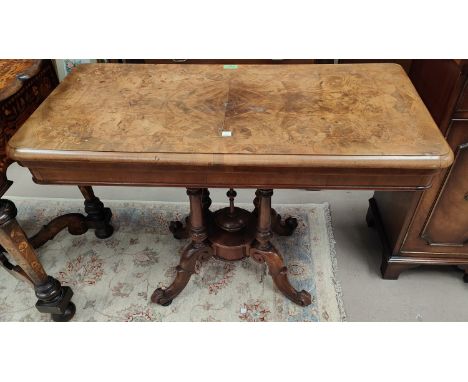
point(113, 279)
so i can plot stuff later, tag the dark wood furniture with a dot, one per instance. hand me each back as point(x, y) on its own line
point(430, 227)
point(254, 126)
point(24, 85)
point(405, 63)
point(220, 62)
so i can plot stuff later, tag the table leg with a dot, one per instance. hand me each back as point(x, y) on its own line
point(281, 227)
point(52, 297)
point(263, 251)
point(181, 231)
point(198, 249)
point(98, 217)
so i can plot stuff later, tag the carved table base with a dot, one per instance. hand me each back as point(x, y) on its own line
point(231, 234)
point(53, 298)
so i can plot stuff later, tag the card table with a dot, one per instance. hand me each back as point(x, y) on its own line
point(264, 127)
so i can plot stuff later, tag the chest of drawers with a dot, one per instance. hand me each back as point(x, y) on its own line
point(431, 227)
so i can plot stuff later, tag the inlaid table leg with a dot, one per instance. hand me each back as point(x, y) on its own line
point(98, 217)
point(52, 297)
point(182, 231)
point(281, 227)
point(198, 249)
point(263, 251)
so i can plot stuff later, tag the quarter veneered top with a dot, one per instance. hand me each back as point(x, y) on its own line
point(366, 115)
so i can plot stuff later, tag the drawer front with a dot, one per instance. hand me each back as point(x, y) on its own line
point(448, 223)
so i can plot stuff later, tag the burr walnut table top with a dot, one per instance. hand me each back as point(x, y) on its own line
point(312, 118)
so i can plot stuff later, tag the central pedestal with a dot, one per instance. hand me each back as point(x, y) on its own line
point(231, 233)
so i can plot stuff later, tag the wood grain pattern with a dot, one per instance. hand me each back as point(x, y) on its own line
point(438, 84)
point(430, 227)
point(311, 116)
point(415, 246)
point(231, 234)
point(13, 73)
point(24, 84)
point(452, 199)
point(95, 173)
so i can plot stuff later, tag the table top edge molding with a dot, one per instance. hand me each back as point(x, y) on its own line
point(207, 160)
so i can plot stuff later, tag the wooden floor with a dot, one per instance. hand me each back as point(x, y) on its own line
point(431, 294)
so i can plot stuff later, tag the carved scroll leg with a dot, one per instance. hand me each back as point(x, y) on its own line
point(179, 230)
point(191, 254)
point(264, 251)
point(98, 217)
point(279, 273)
point(182, 231)
point(198, 249)
point(52, 297)
point(281, 227)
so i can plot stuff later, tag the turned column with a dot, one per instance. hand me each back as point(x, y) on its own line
point(197, 249)
point(264, 233)
point(98, 216)
point(198, 232)
point(263, 251)
point(280, 227)
point(181, 231)
point(52, 297)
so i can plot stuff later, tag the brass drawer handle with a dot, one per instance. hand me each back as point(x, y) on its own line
point(179, 60)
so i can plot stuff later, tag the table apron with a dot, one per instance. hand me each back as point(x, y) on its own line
point(317, 178)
